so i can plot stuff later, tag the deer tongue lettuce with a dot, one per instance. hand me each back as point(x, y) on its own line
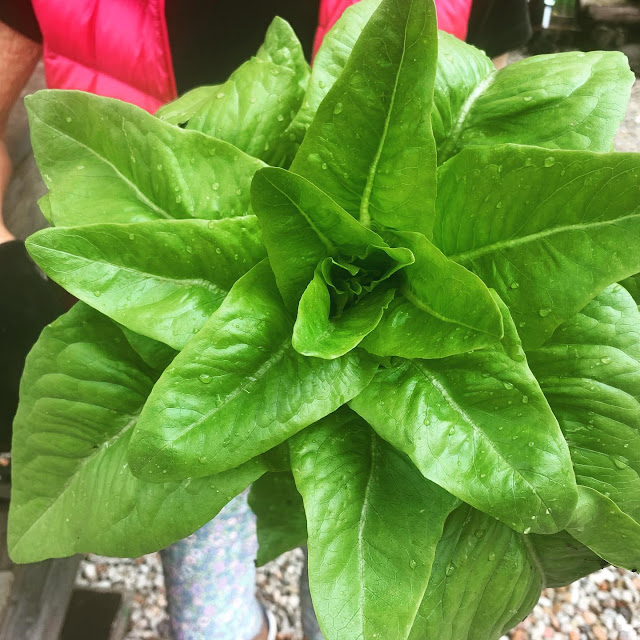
point(427, 363)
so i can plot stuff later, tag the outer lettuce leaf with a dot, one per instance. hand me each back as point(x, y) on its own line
point(563, 559)
point(478, 425)
point(72, 490)
point(632, 285)
point(238, 389)
point(181, 110)
point(108, 161)
point(589, 371)
point(374, 523)
point(256, 105)
point(370, 146)
point(485, 579)
point(281, 521)
point(548, 231)
point(331, 59)
point(570, 100)
point(162, 279)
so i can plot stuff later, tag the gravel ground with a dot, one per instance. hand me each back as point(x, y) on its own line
point(603, 606)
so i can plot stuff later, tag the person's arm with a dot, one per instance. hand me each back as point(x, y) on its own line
point(18, 58)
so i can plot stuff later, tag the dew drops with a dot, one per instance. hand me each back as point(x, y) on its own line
point(499, 205)
point(280, 118)
point(220, 94)
point(605, 360)
point(211, 224)
point(202, 459)
point(253, 100)
point(69, 119)
point(479, 534)
point(324, 166)
point(450, 569)
point(527, 531)
point(97, 294)
point(514, 285)
point(238, 191)
point(528, 98)
point(215, 186)
point(132, 236)
point(492, 557)
point(178, 199)
point(507, 385)
point(189, 249)
point(544, 312)
point(218, 250)
point(337, 110)
point(159, 167)
point(205, 378)
point(549, 162)
point(620, 462)
point(525, 399)
point(531, 444)
point(413, 564)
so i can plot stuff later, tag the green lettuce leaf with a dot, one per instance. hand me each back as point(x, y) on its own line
point(370, 146)
point(478, 425)
point(104, 160)
point(485, 579)
point(563, 559)
point(72, 490)
point(255, 106)
point(238, 389)
point(548, 231)
point(281, 521)
point(323, 257)
point(589, 371)
point(330, 60)
point(302, 226)
point(571, 100)
point(444, 309)
point(373, 522)
point(162, 279)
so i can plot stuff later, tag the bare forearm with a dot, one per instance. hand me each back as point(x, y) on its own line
point(18, 57)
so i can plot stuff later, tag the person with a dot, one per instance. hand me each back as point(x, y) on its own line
point(499, 26)
point(147, 53)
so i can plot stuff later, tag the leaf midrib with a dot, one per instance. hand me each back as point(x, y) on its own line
point(365, 214)
point(433, 379)
point(255, 378)
point(140, 195)
point(533, 237)
point(206, 284)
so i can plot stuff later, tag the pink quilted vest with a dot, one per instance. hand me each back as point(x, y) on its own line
point(115, 48)
point(120, 48)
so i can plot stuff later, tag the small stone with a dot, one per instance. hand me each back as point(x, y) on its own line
point(599, 632)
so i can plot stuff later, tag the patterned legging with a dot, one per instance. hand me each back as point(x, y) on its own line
point(210, 578)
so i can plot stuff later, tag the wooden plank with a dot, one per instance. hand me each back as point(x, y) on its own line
point(39, 600)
